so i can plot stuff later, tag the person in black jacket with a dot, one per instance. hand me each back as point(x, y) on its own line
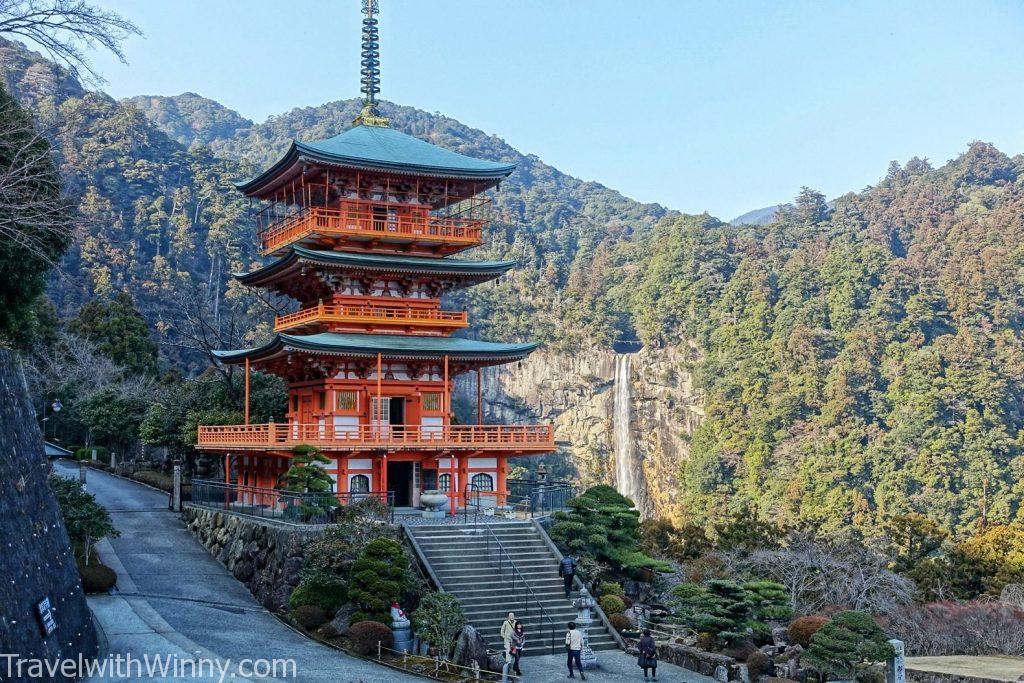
point(648, 655)
point(567, 570)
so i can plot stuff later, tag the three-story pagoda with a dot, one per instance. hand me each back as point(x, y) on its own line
point(363, 227)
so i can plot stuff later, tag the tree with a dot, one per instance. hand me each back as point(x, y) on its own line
point(439, 620)
point(34, 217)
point(811, 206)
point(720, 607)
point(847, 644)
point(604, 525)
point(86, 520)
point(120, 333)
point(307, 477)
point(64, 27)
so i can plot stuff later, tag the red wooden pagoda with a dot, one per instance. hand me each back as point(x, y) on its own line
point(363, 226)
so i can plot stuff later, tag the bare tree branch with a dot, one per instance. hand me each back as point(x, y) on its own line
point(66, 29)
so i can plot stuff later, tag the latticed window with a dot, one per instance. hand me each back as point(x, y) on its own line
point(432, 400)
point(482, 482)
point(346, 400)
point(444, 482)
point(360, 483)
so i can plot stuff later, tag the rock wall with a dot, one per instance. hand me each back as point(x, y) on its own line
point(577, 392)
point(264, 556)
point(36, 561)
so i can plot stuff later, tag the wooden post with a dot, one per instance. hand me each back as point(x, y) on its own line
point(451, 482)
point(380, 406)
point(479, 399)
point(445, 398)
point(227, 468)
point(246, 391)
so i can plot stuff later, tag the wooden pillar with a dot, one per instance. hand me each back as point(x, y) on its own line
point(502, 480)
point(451, 482)
point(227, 468)
point(479, 398)
point(246, 391)
point(378, 417)
point(445, 398)
point(384, 476)
point(463, 477)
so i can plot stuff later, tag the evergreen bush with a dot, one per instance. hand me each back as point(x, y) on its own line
point(848, 645)
point(439, 620)
point(309, 617)
point(611, 588)
point(604, 525)
point(97, 578)
point(379, 577)
point(324, 590)
point(612, 604)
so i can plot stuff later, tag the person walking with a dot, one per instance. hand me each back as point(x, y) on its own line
point(507, 628)
point(574, 648)
point(648, 655)
point(518, 644)
point(567, 570)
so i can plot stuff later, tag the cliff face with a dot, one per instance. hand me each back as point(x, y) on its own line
point(36, 562)
point(620, 419)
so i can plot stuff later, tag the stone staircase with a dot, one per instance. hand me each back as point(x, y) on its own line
point(459, 561)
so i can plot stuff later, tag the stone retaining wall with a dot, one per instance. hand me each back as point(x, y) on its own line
point(717, 666)
point(266, 557)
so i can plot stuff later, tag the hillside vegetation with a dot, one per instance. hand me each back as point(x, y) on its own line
point(858, 360)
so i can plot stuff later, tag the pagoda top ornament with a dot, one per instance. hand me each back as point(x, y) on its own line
point(370, 69)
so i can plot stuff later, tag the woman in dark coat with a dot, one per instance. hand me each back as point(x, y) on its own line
point(648, 657)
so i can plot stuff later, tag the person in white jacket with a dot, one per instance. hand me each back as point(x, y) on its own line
point(574, 648)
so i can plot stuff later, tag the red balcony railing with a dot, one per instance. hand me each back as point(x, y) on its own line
point(275, 436)
point(457, 232)
point(375, 314)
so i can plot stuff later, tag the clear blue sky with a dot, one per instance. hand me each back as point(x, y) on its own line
point(717, 106)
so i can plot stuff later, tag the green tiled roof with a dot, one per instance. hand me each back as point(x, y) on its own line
point(473, 270)
point(391, 346)
point(384, 149)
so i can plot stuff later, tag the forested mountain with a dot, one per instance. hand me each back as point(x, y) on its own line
point(856, 361)
point(191, 119)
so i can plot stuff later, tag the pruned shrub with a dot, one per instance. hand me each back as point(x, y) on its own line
point(758, 664)
point(97, 578)
point(620, 622)
point(848, 644)
point(610, 588)
point(612, 604)
point(380, 576)
point(309, 617)
point(366, 634)
point(706, 641)
point(321, 589)
point(626, 600)
point(802, 628)
point(740, 650)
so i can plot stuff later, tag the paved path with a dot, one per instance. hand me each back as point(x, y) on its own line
point(990, 667)
point(174, 598)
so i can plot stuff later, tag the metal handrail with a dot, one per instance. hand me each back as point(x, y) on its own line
point(281, 504)
point(539, 498)
point(503, 557)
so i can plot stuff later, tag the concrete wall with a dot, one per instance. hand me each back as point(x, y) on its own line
point(36, 561)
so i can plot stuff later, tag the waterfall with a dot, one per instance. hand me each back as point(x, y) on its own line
point(626, 464)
